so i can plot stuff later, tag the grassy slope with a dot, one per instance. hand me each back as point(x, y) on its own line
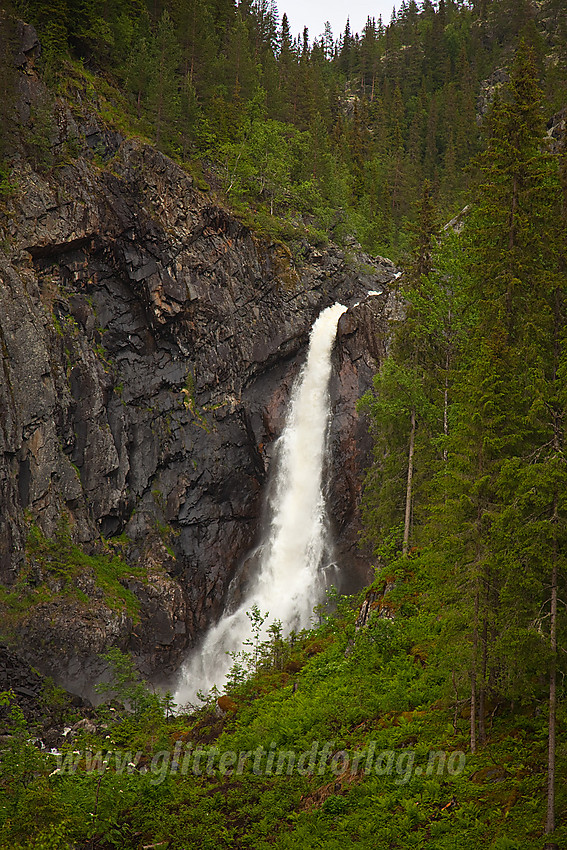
point(380, 688)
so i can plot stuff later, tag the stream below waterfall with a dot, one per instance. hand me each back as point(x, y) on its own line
point(295, 550)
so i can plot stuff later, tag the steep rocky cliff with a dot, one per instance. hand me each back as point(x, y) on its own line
point(149, 344)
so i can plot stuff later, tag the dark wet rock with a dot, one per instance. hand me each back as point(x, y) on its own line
point(494, 773)
point(29, 48)
point(361, 347)
point(30, 692)
point(18, 677)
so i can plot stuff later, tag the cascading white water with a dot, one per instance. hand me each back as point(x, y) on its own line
point(289, 581)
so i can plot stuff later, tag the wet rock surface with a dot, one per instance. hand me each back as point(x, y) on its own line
point(44, 707)
point(362, 341)
point(149, 344)
point(25, 683)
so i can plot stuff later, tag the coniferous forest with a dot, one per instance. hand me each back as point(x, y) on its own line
point(337, 134)
point(430, 139)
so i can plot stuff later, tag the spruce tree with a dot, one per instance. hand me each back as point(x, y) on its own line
point(164, 82)
point(501, 502)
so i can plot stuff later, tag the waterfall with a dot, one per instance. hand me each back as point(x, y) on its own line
point(289, 581)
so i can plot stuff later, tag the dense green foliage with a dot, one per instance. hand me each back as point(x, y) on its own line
point(336, 135)
point(481, 361)
point(375, 740)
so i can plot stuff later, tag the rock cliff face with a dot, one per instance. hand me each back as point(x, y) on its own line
point(149, 344)
point(361, 346)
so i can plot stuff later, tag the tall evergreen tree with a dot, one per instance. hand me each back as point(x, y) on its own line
point(7, 94)
point(507, 440)
point(164, 84)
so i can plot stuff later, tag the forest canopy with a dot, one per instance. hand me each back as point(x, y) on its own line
point(337, 133)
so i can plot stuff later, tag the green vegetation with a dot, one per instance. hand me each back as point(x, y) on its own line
point(190, 402)
point(341, 735)
point(320, 137)
point(59, 556)
point(127, 686)
point(469, 476)
point(52, 569)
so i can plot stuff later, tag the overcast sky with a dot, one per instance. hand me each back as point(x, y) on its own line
point(314, 13)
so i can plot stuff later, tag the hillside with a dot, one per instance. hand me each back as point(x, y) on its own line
point(335, 135)
point(183, 189)
point(350, 734)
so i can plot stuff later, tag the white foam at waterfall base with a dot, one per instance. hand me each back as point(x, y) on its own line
point(290, 579)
